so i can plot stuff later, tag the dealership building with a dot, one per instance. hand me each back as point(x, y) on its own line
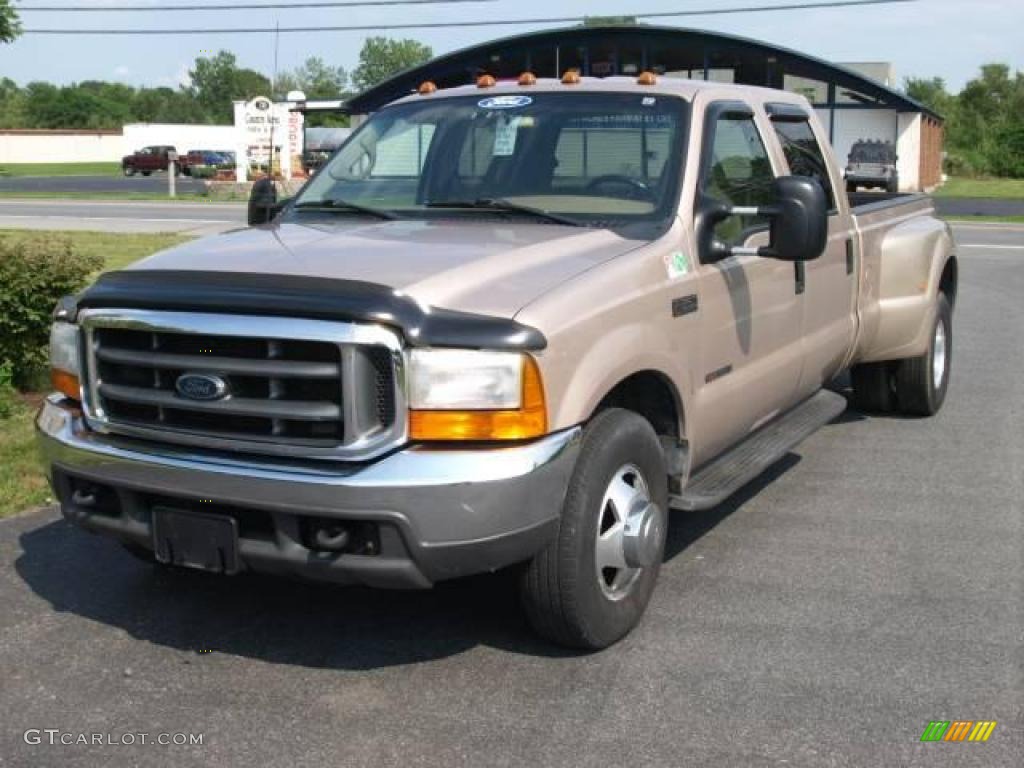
point(855, 102)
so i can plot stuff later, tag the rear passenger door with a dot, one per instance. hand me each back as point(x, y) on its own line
point(829, 283)
point(750, 343)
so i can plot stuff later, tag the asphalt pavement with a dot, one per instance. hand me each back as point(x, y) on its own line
point(155, 184)
point(871, 582)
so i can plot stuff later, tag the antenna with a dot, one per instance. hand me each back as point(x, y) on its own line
point(273, 97)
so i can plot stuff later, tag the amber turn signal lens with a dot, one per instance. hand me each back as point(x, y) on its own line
point(647, 78)
point(528, 421)
point(426, 88)
point(527, 78)
point(485, 81)
point(66, 384)
point(571, 77)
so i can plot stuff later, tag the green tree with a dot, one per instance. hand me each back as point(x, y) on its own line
point(10, 27)
point(382, 57)
point(12, 104)
point(216, 81)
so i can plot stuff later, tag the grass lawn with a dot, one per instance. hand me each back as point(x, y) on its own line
point(1000, 188)
point(22, 484)
point(60, 169)
point(992, 219)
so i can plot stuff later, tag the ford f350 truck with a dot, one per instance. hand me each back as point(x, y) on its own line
point(509, 325)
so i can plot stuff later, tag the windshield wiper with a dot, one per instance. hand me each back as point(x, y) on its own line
point(344, 205)
point(506, 206)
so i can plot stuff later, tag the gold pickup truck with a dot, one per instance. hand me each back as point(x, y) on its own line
point(509, 325)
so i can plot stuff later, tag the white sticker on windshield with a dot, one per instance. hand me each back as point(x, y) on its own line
point(505, 137)
point(504, 102)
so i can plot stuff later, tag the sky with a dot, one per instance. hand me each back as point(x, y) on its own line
point(926, 38)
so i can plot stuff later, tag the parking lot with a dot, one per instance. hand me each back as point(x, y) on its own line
point(870, 583)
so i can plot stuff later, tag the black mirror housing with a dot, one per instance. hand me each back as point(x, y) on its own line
point(799, 220)
point(263, 205)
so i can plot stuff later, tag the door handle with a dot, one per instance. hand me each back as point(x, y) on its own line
point(849, 256)
point(800, 274)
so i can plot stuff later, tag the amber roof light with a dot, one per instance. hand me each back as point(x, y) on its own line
point(485, 81)
point(571, 77)
point(527, 78)
point(426, 88)
point(647, 78)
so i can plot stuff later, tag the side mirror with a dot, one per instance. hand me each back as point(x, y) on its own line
point(799, 229)
point(798, 216)
point(263, 203)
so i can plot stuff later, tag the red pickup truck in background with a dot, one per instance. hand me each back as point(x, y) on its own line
point(147, 160)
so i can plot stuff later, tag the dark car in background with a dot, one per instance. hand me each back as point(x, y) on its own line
point(205, 162)
point(147, 160)
point(872, 164)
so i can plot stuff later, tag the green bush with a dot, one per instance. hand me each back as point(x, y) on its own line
point(6, 390)
point(204, 171)
point(35, 271)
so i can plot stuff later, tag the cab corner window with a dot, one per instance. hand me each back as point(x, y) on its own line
point(739, 174)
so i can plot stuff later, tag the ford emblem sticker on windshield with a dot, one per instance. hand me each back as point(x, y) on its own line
point(504, 102)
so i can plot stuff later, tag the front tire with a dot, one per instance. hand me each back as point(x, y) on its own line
point(128, 170)
point(921, 382)
point(591, 585)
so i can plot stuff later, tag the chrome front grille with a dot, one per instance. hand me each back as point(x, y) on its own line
point(305, 388)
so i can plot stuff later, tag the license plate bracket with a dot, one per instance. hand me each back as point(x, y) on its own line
point(195, 540)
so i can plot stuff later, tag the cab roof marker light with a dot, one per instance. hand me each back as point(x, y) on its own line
point(647, 78)
point(485, 81)
point(527, 78)
point(426, 88)
point(571, 77)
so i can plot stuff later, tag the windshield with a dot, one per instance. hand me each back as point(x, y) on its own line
point(598, 159)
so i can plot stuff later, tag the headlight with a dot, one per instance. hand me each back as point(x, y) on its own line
point(64, 363)
point(462, 394)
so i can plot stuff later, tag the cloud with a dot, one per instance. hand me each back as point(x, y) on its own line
point(122, 71)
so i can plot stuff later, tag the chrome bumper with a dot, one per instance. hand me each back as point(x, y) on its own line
point(441, 513)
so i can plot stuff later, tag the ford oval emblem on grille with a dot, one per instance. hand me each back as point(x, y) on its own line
point(201, 386)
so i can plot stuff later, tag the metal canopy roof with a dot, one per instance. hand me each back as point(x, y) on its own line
point(645, 46)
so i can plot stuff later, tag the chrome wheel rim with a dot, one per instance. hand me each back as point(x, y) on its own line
point(939, 355)
point(628, 523)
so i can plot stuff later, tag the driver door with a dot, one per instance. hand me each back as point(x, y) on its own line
point(751, 351)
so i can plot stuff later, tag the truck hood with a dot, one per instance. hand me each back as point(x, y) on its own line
point(487, 267)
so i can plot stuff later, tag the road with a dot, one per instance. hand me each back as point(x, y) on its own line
point(871, 583)
point(199, 218)
point(155, 184)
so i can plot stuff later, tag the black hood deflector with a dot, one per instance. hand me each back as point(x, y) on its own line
point(247, 293)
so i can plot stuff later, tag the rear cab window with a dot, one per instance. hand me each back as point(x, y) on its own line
point(803, 152)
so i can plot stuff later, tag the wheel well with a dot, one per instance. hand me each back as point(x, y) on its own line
point(948, 281)
point(651, 395)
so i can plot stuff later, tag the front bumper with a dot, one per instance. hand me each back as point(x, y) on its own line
point(424, 514)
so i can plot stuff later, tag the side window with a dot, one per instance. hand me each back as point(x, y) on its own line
point(739, 174)
point(804, 155)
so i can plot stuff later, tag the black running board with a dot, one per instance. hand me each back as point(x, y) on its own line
point(714, 482)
